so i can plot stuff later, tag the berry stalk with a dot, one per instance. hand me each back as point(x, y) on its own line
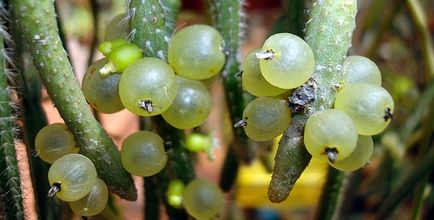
point(10, 186)
point(38, 22)
point(328, 32)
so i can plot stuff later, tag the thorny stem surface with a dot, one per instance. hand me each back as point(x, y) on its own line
point(10, 186)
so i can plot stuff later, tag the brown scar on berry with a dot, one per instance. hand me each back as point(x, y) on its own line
point(387, 114)
point(240, 123)
point(55, 188)
point(146, 105)
point(332, 154)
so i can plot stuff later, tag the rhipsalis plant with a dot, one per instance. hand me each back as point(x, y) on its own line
point(299, 85)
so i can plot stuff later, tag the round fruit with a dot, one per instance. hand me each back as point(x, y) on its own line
point(124, 55)
point(266, 118)
point(358, 69)
point(196, 52)
point(202, 199)
point(174, 193)
point(117, 28)
point(330, 135)
point(359, 157)
point(101, 92)
point(197, 142)
point(287, 61)
point(54, 141)
point(191, 106)
point(369, 106)
point(147, 87)
point(71, 177)
point(143, 154)
point(94, 202)
point(106, 47)
point(252, 79)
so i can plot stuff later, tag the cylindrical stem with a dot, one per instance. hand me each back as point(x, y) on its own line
point(329, 30)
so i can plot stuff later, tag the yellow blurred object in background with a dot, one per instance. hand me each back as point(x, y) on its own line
point(253, 181)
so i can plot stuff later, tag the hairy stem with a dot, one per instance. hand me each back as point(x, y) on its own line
point(329, 31)
point(228, 18)
point(10, 186)
point(34, 120)
point(151, 25)
point(37, 20)
point(331, 196)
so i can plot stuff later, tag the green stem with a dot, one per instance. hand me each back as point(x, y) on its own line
point(419, 198)
point(151, 25)
point(419, 19)
point(329, 32)
point(227, 16)
point(152, 199)
point(331, 195)
point(34, 120)
point(180, 164)
point(229, 172)
point(37, 20)
point(10, 186)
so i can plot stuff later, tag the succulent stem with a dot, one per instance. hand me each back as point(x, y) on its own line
point(328, 32)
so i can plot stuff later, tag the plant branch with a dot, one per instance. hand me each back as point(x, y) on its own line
point(10, 186)
point(331, 200)
point(151, 25)
point(329, 31)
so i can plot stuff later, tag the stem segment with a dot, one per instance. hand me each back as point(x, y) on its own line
point(329, 31)
point(10, 186)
